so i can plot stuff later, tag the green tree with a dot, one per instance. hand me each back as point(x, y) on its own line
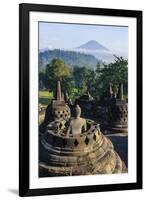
point(56, 70)
point(84, 78)
point(112, 73)
point(42, 80)
point(80, 74)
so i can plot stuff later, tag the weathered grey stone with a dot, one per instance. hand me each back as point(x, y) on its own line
point(77, 123)
point(118, 113)
point(75, 146)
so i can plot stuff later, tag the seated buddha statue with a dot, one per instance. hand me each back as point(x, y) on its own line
point(77, 123)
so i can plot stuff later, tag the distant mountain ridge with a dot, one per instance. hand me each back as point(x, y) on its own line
point(92, 45)
point(71, 58)
point(97, 50)
point(87, 54)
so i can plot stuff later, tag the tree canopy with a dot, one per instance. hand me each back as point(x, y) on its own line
point(56, 70)
point(80, 79)
point(113, 73)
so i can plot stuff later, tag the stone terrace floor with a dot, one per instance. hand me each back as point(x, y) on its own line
point(120, 142)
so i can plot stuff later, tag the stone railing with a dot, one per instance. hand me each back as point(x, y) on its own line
point(81, 141)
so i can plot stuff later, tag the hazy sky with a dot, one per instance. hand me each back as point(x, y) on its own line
point(68, 36)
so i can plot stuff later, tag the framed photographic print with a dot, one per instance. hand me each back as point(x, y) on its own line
point(80, 100)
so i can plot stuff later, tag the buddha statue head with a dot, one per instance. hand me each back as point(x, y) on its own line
point(77, 111)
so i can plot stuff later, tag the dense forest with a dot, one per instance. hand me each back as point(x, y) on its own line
point(80, 79)
point(70, 57)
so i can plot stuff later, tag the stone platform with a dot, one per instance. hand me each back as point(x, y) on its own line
point(88, 153)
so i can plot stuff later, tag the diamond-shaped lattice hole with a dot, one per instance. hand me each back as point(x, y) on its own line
point(94, 137)
point(86, 141)
point(64, 142)
point(76, 143)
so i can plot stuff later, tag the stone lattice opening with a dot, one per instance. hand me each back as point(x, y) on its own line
point(76, 143)
point(94, 137)
point(87, 141)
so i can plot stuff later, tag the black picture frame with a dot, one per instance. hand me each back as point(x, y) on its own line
point(24, 9)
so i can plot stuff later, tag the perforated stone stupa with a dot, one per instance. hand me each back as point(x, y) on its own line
point(118, 113)
point(75, 145)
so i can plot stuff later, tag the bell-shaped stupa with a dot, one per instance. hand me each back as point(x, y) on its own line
point(75, 145)
point(118, 113)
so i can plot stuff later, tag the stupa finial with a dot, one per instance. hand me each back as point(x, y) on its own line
point(110, 90)
point(58, 95)
point(120, 92)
